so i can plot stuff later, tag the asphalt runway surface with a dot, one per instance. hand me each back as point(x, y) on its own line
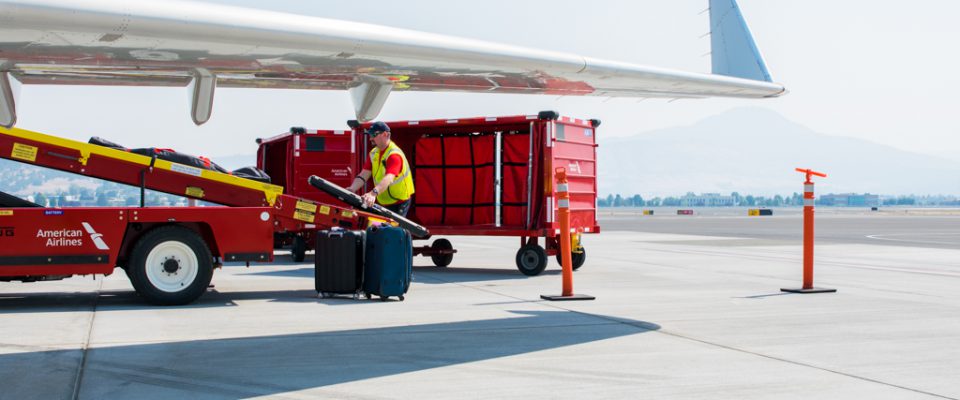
point(833, 226)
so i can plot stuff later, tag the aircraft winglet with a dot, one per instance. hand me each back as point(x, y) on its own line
point(734, 52)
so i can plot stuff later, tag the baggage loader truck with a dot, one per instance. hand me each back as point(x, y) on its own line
point(168, 253)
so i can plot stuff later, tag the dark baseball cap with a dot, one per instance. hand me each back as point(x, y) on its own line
point(377, 128)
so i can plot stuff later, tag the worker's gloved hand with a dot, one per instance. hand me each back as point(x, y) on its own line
point(368, 199)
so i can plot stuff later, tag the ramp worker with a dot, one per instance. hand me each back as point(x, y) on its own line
point(390, 171)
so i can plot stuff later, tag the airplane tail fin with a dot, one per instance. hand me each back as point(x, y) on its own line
point(734, 52)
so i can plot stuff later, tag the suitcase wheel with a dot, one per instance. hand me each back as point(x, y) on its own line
point(384, 298)
point(369, 296)
point(401, 298)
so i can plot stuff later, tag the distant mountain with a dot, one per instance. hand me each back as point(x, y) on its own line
point(753, 150)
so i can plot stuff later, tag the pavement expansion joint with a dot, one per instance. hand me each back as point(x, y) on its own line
point(800, 363)
point(86, 342)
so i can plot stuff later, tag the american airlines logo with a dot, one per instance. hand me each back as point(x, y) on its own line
point(95, 237)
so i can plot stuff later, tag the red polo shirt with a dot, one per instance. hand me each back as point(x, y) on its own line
point(394, 164)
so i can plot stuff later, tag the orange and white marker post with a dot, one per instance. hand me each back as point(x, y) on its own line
point(808, 203)
point(563, 198)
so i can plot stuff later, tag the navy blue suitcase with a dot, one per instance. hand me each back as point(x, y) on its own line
point(338, 265)
point(388, 262)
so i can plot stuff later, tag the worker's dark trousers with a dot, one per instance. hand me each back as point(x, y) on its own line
point(400, 207)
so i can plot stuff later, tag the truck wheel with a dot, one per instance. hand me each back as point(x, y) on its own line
point(531, 259)
point(170, 266)
point(299, 249)
point(442, 260)
point(577, 260)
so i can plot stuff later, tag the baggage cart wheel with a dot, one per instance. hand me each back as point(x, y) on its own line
point(531, 259)
point(577, 260)
point(299, 249)
point(170, 265)
point(442, 260)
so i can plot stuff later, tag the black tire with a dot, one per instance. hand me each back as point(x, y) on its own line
point(531, 259)
point(401, 298)
point(299, 249)
point(577, 260)
point(442, 260)
point(183, 270)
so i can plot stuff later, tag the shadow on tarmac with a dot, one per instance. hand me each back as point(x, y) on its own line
point(109, 300)
point(272, 365)
point(443, 274)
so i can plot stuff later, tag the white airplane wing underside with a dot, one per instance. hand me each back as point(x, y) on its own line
point(205, 46)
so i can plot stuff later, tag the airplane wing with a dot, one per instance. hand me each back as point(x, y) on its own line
point(205, 46)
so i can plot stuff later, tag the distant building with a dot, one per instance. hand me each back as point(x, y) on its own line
point(706, 200)
point(850, 200)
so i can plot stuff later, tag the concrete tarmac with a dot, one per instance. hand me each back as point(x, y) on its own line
point(687, 307)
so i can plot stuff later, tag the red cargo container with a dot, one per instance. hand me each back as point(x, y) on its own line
point(290, 158)
point(486, 176)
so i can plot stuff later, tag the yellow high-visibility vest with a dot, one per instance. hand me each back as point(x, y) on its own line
point(402, 187)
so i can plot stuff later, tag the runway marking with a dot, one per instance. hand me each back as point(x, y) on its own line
point(822, 261)
point(881, 237)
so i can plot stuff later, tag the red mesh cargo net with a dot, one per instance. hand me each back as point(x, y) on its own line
point(454, 179)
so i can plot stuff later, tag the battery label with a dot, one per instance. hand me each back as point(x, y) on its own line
point(24, 152)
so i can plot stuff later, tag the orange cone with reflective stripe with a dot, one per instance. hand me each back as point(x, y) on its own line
point(808, 205)
point(566, 251)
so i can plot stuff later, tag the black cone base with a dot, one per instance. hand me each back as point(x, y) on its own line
point(808, 291)
point(560, 297)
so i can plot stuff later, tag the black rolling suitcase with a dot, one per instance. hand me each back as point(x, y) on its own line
point(338, 265)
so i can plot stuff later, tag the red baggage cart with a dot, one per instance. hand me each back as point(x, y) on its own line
point(485, 176)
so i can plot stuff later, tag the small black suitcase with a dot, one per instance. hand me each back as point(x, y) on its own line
point(338, 265)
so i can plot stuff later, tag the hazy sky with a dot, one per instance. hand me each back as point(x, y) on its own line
point(881, 70)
